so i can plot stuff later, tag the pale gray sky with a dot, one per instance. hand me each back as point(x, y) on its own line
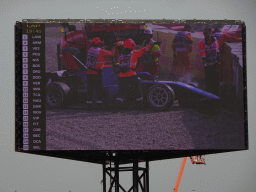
point(227, 172)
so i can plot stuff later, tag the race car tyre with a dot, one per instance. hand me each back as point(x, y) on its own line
point(56, 94)
point(161, 97)
point(59, 61)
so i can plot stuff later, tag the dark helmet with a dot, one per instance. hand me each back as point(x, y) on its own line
point(187, 27)
point(216, 30)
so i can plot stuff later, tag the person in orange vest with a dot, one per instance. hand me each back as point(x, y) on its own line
point(182, 47)
point(223, 38)
point(126, 71)
point(95, 63)
point(209, 50)
point(149, 61)
point(111, 41)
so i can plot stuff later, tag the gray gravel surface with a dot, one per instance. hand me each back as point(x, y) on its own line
point(79, 129)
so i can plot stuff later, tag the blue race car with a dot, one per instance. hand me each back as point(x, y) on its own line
point(69, 87)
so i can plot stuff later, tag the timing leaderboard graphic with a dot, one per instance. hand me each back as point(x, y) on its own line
point(33, 72)
point(158, 89)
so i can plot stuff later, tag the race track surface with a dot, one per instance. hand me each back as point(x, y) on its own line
point(179, 128)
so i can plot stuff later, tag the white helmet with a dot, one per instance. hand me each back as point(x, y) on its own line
point(148, 31)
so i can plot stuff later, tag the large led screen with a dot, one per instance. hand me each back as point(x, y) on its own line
point(133, 86)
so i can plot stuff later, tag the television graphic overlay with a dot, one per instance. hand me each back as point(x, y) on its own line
point(191, 76)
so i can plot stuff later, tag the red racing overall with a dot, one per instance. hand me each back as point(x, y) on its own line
point(127, 76)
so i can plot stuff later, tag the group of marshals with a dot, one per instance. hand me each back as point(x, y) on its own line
point(211, 50)
point(126, 59)
point(126, 63)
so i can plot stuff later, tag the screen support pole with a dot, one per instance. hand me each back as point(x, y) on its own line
point(104, 176)
point(135, 175)
point(116, 175)
point(147, 177)
point(140, 175)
